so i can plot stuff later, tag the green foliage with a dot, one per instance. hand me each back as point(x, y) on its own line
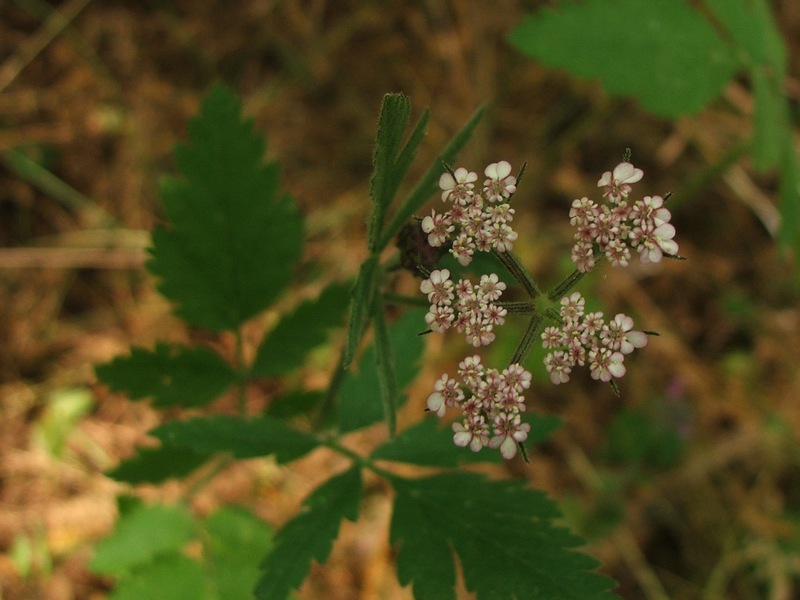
point(155, 465)
point(146, 554)
point(227, 255)
point(675, 57)
point(309, 536)
point(236, 540)
point(244, 437)
point(233, 239)
point(171, 375)
point(427, 444)
point(285, 347)
point(660, 51)
point(503, 534)
point(360, 403)
point(142, 534)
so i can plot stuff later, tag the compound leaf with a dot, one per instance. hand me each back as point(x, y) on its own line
point(309, 536)
point(663, 52)
point(503, 534)
point(285, 347)
point(171, 375)
point(233, 239)
point(244, 437)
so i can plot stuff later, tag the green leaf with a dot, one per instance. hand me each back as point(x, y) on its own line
point(244, 437)
point(233, 240)
point(155, 465)
point(663, 52)
point(141, 535)
point(310, 535)
point(503, 534)
point(789, 192)
point(362, 301)
point(751, 26)
point(360, 402)
point(428, 444)
point(174, 576)
point(429, 183)
point(236, 540)
point(770, 120)
point(294, 403)
point(285, 347)
point(392, 123)
point(385, 369)
point(171, 375)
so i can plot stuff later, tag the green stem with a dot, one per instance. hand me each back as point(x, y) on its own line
point(524, 308)
point(520, 273)
point(527, 340)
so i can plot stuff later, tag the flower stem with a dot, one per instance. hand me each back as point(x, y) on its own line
point(520, 273)
point(527, 340)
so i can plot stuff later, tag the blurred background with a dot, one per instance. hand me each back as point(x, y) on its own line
point(687, 486)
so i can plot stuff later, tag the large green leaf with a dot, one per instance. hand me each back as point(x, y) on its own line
point(244, 437)
point(503, 535)
point(233, 238)
point(663, 52)
point(171, 375)
point(310, 535)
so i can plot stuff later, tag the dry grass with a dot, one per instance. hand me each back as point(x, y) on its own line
point(99, 96)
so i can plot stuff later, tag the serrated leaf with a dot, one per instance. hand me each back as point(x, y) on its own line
point(155, 465)
point(233, 239)
point(171, 375)
point(236, 540)
point(244, 437)
point(359, 396)
point(310, 535)
point(663, 52)
point(362, 300)
point(503, 534)
point(428, 184)
point(140, 536)
point(285, 347)
point(174, 576)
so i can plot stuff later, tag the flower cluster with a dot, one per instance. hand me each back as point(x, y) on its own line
point(491, 407)
point(478, 218)
point(585, 338)
point(620, 227)
point(469, 308)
